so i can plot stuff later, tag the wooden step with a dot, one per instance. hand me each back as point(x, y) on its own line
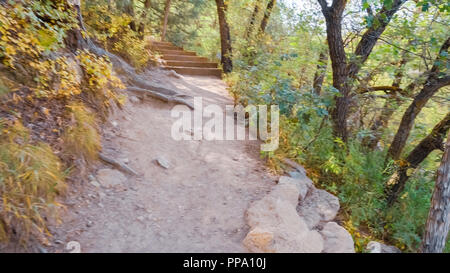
point(177, 52)
point(167, 48)
point(156, 43)
point(184, 58)
point(196, 71)
point(191, 64)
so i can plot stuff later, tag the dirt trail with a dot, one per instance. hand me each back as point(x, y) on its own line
point(196, 205)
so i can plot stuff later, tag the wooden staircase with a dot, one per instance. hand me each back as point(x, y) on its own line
point(185, 62)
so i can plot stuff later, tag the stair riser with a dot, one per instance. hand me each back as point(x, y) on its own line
point(177, 52)
point(184, 58)
point(167, 48)
point(191, 64)
point(196, 72)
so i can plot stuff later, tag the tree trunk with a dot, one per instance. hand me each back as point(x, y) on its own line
point(431, 86)
point(343, 73)
point(321, 70)
point(251, 24)
point(333, 17)
point(127, 6)
point(147, 5)
point(165, 19)
point(225, 39)
point(392, 103)
point(438, 221)
point(266, 17)
point(433, 141)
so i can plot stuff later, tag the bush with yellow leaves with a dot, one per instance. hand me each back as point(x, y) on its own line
point(110, 27)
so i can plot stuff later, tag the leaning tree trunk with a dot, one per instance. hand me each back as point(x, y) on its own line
point(392, 103)
point(251, 25)
point(266, 17)
point(147, 5)
point(225, 38)
point(438, 221)
point(165, 19)
point(433, 141)
point(433, 83)
point(321, 70)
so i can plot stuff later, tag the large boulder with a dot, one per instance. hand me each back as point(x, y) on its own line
point(318, 206)
point(336, 239)
point(276, 226)
point(304, 185)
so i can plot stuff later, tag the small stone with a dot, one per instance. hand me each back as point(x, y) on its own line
point(134, 99)
point(114, 123)
point(141, 218)
point(89, 223)
point(376, 247)
point(95, 183)
point(100, 205)
point(163, 162)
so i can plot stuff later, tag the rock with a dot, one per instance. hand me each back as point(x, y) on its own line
point(95, 183)
point(303, 185)
point(286, 191)
point(114, 123)
point(163, 162)
point(134, 99)
point(42, 249)
point(89, 223)
point(173, 73)
point(296, 175)
point(318, 206)
point(141, 218)
point(110, 178)
point(336, 239)
point(290, 232)
point(376, 247)
point(259, 240)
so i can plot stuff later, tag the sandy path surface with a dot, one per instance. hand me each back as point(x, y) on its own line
point(196, 205)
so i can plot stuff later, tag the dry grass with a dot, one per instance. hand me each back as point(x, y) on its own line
point(81, 138)
point(31, 176)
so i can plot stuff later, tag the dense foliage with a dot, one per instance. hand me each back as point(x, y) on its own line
point(279, 67)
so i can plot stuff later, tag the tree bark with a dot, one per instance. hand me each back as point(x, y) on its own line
point(392, 103)
point(147, 5)
point(438, 221)
point(321, 70)
point(343, 72)
point(266, 17)
point(165, 19)
point(225, 38)
point(431, 142)
point(127, 6)
point(431, 86)
point(252, 22)
point(333, 18)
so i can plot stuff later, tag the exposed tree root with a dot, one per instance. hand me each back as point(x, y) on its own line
point(117, 164)
point(135, 82)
